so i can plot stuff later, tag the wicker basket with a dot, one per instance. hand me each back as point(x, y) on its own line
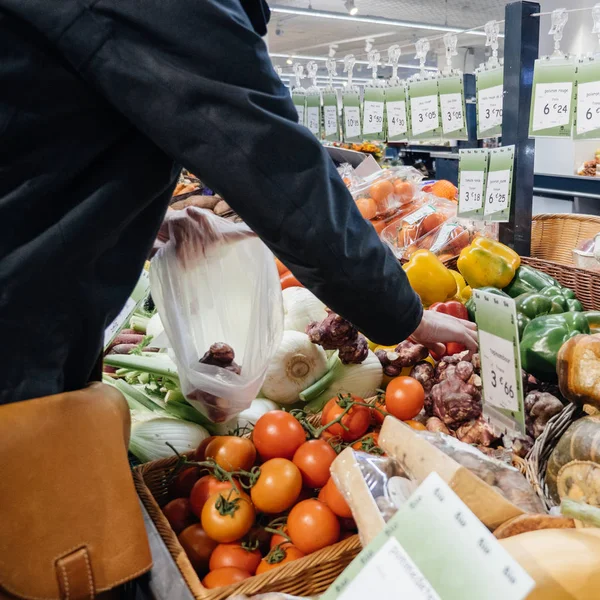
point(308, 576)
point(553, 237)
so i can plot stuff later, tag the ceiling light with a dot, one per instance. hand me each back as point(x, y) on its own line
point(377, 20)
point(351, 7)
point(289, 61)
point(358, 62)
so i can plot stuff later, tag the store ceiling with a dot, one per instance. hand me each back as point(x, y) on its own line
point(306, 36)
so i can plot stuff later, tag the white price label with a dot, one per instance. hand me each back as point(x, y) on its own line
point(396, 116)
point(588, 107)
point(552, 106)
point(471, 190)
point(489, 108)
point(300, 109)
point(373, 117)
point(330, 113)
point(312, 117)
point(498, 371)
point(352, 121)
point(419, 214)
point(497, 191)
point(424, 114)
point(390, 570)
point(444, 235)
point(117, 324)
point(453, 118)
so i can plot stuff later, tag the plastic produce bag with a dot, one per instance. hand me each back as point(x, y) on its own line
point(214, 281)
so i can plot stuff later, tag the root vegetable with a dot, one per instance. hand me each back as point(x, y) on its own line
point(476, 432)
point(122, 348)
point(436, 425)
point(127, 338)
point(410, 354)
point(424, 373)
point(221, 355)
point(540, 408)
point(456, 402)
point(464, 370)
point(333, 332)
point(355, 353)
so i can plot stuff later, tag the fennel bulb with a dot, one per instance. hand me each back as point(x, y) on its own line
point(300, 308)
point(297, 364)
point(149, 435)
point(248, 417)
point(361, 380)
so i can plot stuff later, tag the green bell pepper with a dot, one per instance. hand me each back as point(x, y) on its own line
point(470, 304)
point(593, 319)
point(543, 338)
point(532, 305)
point(527, 279)
point(564, 297)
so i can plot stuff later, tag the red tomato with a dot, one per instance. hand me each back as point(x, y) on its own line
point(277, 435)
point(179, 514)
point(404, 398)
point(205, 487)
point(277, 487)
point(225, 576)
point(368, 443)
point(313, 459)
point(288, 280)
point(278, 558)
point(232, 453)
point(312, 526)
point(197, 545)
point(453, 348)
point(354, 424)
point(332, 497)
point(184, 481)
point(234, 555)
point(376, 417)
point(198, 453)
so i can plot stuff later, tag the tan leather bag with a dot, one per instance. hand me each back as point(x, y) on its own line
point(71, 526)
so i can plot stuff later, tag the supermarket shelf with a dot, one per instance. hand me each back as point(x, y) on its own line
point(566, 186)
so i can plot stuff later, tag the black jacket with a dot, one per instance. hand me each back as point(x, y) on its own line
point(100, 102)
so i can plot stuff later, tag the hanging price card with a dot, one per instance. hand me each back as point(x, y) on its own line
point(351, 116)
point(423, 102)
point(313, 113)
point(397, 124)
point(452, 105)
point(330, 114)
point(461, 560)
point(552, 98)
point(299, 100)
point(498, 191)
point(373, 109)
point(472, 178)
point(587, 91)
point(490, 100)
point(503, 404)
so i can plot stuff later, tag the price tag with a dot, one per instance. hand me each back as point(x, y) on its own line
point(331, 123)
point(301, 113)
point(424, 117)
point(461, 559)
point(397, 122)
point(496, 318)
point(490, 101)
point(452, 104)
point(552, 98)
point(373, 117)
point(351, 116)
point(312, 119)
point(419, 214)
point(498, 189)
point(587, 116)
point(472, 179)
point(299, 100)
point(443, 237)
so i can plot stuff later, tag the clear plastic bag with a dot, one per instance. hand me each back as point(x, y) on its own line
point(214, 281)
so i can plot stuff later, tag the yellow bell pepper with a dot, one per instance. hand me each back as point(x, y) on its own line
point(428, 276)
point(488, 263)
point(461, 284)
point(466, 294)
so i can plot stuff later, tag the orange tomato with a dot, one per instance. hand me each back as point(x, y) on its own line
point(204, 488)
point(288, 280)
point(277, 434)
point(224, 576)
point(232, 453)
point(376, 417)
point(404, 398)
point(312, 525)
point(368, 443)
point(280, 557)
point(280, 540)
point(198, 546)
point(403, 190)
point(234, 555)
point(380, 191)
point(227, 516)
point(354, 423)
point(332, 497)
point(430, 222)
point(313, 459)
point(278, 486)
point(281, 268)
point(367, 207)
point(416, 425)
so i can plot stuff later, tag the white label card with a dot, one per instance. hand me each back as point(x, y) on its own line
point(497, 191)
point(312, 116)
point(489, 110)
point(419, 214)
point(330, 113)
point(300, 110)
point(471, 190)
point(498, 368)
point(119, 321)
point(552, 106)
point(373, 117)
point(452, 112)
point(396, 116)
point(424, 113)
point(352, 121)
point(588, 107)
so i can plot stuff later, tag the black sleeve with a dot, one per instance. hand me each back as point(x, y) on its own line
point(196, 78)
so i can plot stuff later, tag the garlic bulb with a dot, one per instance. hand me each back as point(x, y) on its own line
point(297, 364)
point(300, 308)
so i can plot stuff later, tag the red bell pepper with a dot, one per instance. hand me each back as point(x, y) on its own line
point(455, 309)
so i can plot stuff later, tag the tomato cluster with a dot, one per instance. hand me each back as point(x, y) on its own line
point(252, 505)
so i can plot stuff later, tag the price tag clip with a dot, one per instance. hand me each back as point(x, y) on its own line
point(492, 31)
point(298, 69)
point(450, 41)
point(422, 46)
point(394, 53)
point(374, 58)
point(349, 62)
point(560, 17)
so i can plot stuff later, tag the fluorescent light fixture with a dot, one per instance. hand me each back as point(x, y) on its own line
point(351, 7)
point(289, 61)
point(326, 78)
point(358, 62)
point(322, 14)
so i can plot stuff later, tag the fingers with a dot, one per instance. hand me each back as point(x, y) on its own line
point(436, 348)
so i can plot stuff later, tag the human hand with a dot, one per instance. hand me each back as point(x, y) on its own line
point(437, 329)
